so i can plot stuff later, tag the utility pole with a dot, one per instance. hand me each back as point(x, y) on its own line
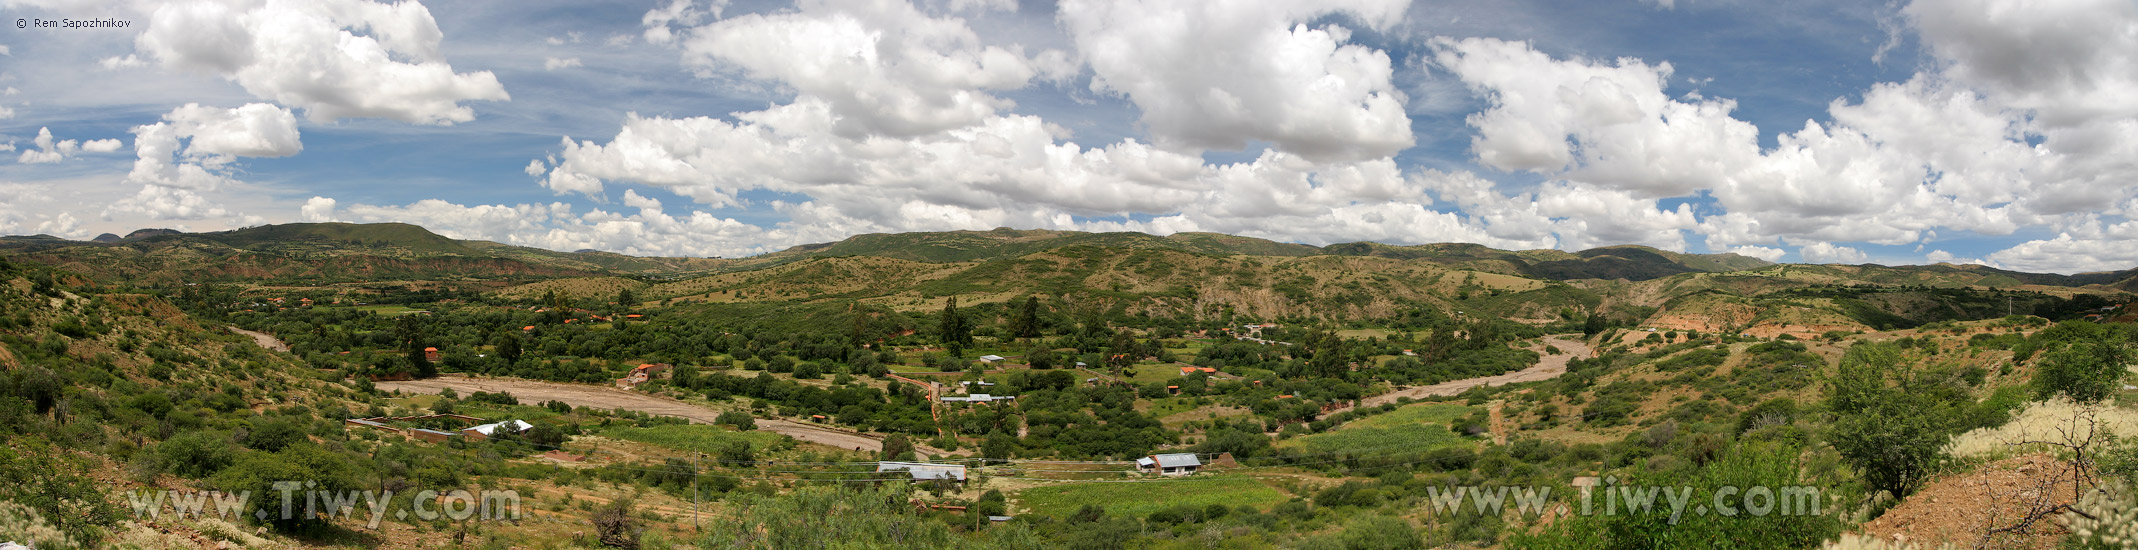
point(694, 475)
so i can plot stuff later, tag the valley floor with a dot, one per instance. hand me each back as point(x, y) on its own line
point(608, 398)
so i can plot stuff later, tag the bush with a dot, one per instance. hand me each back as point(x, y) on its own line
point(23, 524)
point(2087, 371)
point(195, 455)
point(740, 420)
point(56, 485)
point(614, 525)
point(260, 472)
point(274, 435)
point(1890, 426)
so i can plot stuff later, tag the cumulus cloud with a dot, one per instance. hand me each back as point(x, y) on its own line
point(555, 226)
point(1002, 162)
point(1830, 253)
point(333, 58)
point(1604, 122)
point(1219, 74)
point(50, 150)
point(2092, 245)
point(316, 209)
point(1767, 253)
point(882, 66)
point(1946, 149)
point(193, 150)
point(213, 138)
point(553, 63)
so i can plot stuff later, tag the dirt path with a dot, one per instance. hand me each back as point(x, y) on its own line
point(1548, 367)
point(264, 339)
point(606, 398)
point(1498, 424)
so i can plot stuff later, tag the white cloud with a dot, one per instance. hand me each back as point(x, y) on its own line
point(117, 62)
point(2092, 245)
point(882, 66)
point(1220, 74)
point(161, 202)
point(1770, 254)
point(1003, 162)
point(60, 225)
point(310, 55)
point(1830, 253)
point(193, 150)
point(2073, 61)
point(1607, 123)
point(51, 150)
point(316, 209)
point(552, 63)
point(213, 139)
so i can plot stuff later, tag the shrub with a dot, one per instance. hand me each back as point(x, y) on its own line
point(195, 455)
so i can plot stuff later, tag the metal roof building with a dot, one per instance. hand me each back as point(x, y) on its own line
point(924, 471)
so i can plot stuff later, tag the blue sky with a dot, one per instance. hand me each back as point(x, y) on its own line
point(1991, 131)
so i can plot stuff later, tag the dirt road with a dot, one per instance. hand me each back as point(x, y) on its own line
point(265, 340)
point(1548, 367)
point(607, 398)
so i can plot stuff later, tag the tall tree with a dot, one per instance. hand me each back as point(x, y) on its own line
point(1025, 324)
point(409, 330)
point(625, 299)
point(956, 332)
point(1889, 423)
point(508, 345)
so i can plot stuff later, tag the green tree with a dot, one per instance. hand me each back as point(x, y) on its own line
point(274, 435)
point(897, 447)
point(740, 420)
point(1595, 324)
point(1025, 324)
point(625, 299)
point(57, 485)
point(1888, 424)
point(955, 331)
point(2087, 371)
point(409, 330)
point(195, 455)
point(998, 445)
point(269, 475)
point(508, 345)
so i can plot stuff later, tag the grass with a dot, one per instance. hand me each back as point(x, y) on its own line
point(1153, 372)
point(1168, 406)
point(1140, 499)
point(2041, 421)
point(697, 438)
point(388, 309)
point(1415, 427)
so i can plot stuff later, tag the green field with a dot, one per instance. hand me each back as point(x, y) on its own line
point(698, 438)
point(1414, 427)
point(1140, 499)
point(1167, 406)
point(388, 309)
